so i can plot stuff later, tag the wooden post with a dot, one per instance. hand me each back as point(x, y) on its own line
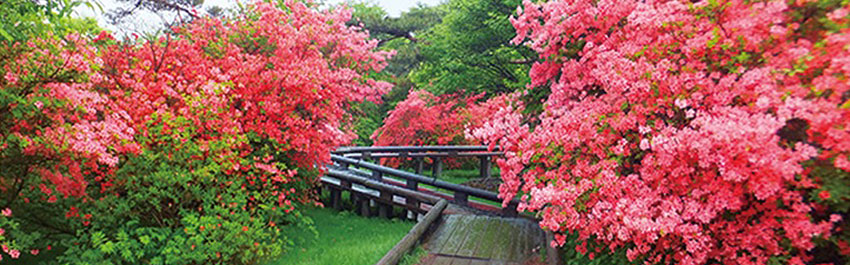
point(412, 185)
point(510, 211)
point(346, 185)
point(367, 156)
point(384, 208)
point(364, 207)
point(420, 164)
point(336, 198)
point(411, 201)
point(484, 167)
point(378, 175)
point(437, 168)
point(461, 198)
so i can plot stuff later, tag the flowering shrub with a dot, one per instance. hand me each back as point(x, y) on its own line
point(686, 132)
point(192, 148)
point(425, 119)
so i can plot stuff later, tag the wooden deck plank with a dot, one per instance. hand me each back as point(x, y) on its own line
point(460, 261)
point(517, 233)
point(440, 260)
point(473, 239)
point(482, 251)
point(458, 235)
point(527, 243)
point(503, 240)
point(479, 262)
point(438, 239)
point(488, 248)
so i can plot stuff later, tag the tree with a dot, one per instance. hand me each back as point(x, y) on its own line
point(685, 132)
point(398, 35)
point(470, 50)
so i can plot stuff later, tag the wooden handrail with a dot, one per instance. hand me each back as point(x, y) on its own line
point(430, 148)
point(420, 154)
point(455, 188)
point(373, 184)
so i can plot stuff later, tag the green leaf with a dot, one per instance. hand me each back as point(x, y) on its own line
point(145, 240)
point(6, 35)
point(108, 247)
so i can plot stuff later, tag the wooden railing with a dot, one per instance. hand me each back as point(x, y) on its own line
point(354, 165)
point(418, 153)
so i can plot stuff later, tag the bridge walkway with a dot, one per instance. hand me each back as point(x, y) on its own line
point(469, 239)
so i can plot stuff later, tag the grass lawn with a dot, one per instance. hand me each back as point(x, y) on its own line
point(343, 238)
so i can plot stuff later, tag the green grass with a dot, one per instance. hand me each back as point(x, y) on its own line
point(459, 176)
point(414, 256)
point(343, 238)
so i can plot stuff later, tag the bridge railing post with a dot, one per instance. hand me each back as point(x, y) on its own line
point(420, 164)
point(378, 175)
point(411, 202)
point(484, 167)
point(461, 198)
point(437, 168)
point(510, 210)
point(384, 207)
point(336, 198)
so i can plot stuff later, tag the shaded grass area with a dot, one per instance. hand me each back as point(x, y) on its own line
point(342, 238)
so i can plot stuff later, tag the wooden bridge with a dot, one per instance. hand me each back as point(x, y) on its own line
point(457, 224)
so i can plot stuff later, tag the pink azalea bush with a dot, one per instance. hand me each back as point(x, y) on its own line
point(684, 132)
point(427, 119)
point(196, 147)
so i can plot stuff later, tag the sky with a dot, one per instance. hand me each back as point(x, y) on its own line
point(148, 22)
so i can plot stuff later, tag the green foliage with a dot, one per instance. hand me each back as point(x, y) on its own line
point(471, 50)
point(368, 119)
point(21, 20)
point(177, 210)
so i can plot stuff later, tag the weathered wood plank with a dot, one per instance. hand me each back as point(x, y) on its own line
point(455, 238)
point(486, 248)
point(502, 240)
point(443, 233)
point(473, 238)
point(441, 260)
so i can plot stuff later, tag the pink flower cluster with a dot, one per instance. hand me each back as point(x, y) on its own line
point(680, 130)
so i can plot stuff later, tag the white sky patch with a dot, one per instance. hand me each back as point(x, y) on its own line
point(144, 21)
